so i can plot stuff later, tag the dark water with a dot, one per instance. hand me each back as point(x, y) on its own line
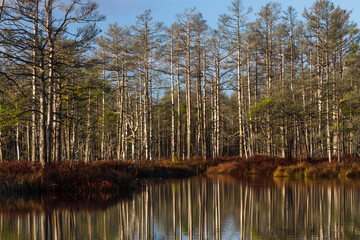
point(198, 208)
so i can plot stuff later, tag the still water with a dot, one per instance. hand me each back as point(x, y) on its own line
point(197, 208)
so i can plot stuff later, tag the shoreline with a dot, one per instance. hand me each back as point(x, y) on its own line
point(107, 179)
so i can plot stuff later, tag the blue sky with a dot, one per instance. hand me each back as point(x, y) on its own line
point(125, 11)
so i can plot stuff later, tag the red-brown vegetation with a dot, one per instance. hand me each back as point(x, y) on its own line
point(320, 170)
point(70, 180)
point(110, 178)
point(295, 168)
point(254, 165)
point(82, 179)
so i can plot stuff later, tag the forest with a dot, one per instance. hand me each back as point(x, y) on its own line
point(277, 82)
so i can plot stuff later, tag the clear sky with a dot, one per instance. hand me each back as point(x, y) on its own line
point(125, 11)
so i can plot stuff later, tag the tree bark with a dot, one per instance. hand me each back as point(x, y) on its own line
point(204, 148)
point(188, 90)
point(172, 100)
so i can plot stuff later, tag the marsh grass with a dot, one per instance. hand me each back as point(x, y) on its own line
point(328, 170)
point(254, 165)
point(114, 178)
point(77, 179)
point(301, 168)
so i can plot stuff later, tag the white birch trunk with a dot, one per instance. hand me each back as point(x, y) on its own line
point(172, 100)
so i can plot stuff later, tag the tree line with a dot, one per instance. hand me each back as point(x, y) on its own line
point(277, 85)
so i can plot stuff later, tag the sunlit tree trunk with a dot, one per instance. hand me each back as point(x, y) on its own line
point(239, 99)
point(188, 88)
point(204, 148)
point(178, 147)
point(34, 83)
point(172, 98)
point(50, 74)
point(42, 138)
point(250, 145)
point(150, 121)
point(88, 130)
point(17, 141)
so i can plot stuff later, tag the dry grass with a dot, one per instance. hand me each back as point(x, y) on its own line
point(117, 178)
point(254, 165)
point(320, 170)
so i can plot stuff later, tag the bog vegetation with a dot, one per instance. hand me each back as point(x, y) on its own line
point(284, 84)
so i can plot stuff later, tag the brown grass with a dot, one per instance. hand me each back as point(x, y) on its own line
point(115, 178)
point(320, 170)
point(254, 165)
point(280, 167)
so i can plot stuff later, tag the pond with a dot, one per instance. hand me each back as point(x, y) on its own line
point(205, 207)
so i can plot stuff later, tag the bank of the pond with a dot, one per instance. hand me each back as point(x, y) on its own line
point(65, 179)
point(114, 178)
point(264, 165)
point(295, 168)
point(91, 180)
point(321, 170)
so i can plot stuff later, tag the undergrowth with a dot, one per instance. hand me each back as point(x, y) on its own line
point(321, 170)
point(110, 178)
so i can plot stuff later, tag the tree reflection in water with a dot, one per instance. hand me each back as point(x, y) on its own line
point(198, 208)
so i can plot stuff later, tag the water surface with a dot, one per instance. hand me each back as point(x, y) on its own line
point(197, 208)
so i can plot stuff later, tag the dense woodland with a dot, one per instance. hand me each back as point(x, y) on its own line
point(275, 82)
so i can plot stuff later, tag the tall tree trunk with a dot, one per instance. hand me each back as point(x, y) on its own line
point(50, 115)
point(172, 100)
point(88, 130)
point(199, 109)
point(146, 117)
point(217, 110)
point(74, 140)
point(268, 63)
point(58, 125)
point(204, 150)
point(188, 92)
point(250, 132)
point(320, 84)
point(124, 145)
point(150, 145)
point(34, 84)
point(50, 58)
point(188, 116)
point(282, 78)
point(303, 93)
point(140, 123)
point(119, 107)
point(42, 138)
point(178, 148)
point(327, 76)
point(102, 144)
point(68, 130)
point(159, 132)
point(28, 140)
point(17, 141)
point(239, 97)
